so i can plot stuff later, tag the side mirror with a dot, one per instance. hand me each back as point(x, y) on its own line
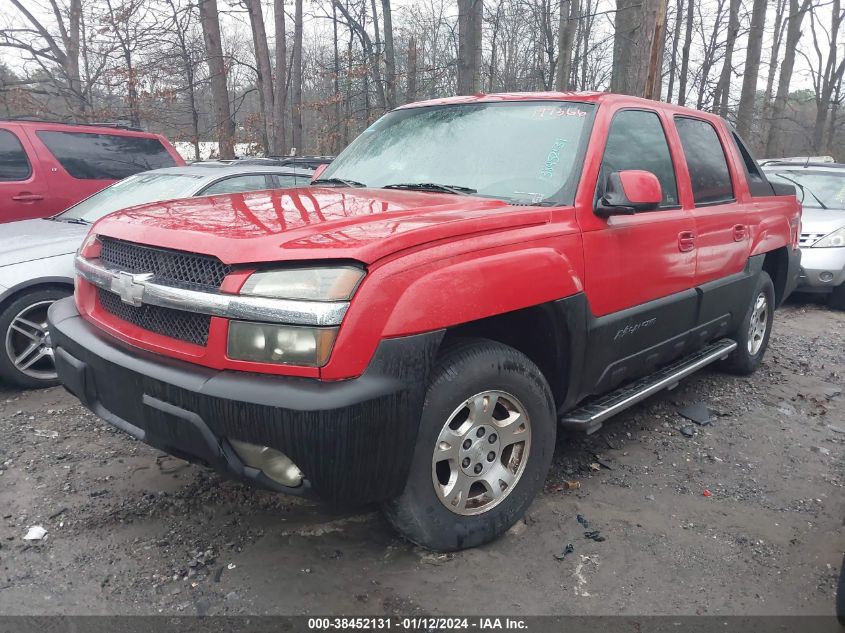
point(319, 169)
point(628, 192)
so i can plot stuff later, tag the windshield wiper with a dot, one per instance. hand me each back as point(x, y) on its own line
point(432, 186)
point(58, 218)
point(338, 181)
point(804, 189)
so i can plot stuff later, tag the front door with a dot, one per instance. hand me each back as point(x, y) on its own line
point(640, 269)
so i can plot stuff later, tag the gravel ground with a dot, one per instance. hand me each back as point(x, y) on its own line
point(133, 531)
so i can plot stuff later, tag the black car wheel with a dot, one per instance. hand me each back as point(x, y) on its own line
point(25, 358)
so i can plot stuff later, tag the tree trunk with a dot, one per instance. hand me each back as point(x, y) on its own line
point(682, 83)
point(569, 10)
point(264, 73)
point(217, 71)
point(280, 86)
point(336, 124)
point(745, 112)
point(793, 34)
point(638, 40)
point(777, 39)
point(470, 14)
point(411, 89)
point(296, 79)
point(654, 76)
point(723, 87)
point(676, 36)
point(389, 55)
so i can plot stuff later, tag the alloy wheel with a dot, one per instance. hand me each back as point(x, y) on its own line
point(26, 342)
point(481, 452)
point(759, 324)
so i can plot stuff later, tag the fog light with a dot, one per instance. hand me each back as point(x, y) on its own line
point(826, 276)
point(275, 464)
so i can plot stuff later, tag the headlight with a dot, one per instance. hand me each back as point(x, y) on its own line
point(306, 284)
point(280, 344)
point(837, 238)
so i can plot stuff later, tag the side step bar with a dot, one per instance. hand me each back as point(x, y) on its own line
point(590, 417)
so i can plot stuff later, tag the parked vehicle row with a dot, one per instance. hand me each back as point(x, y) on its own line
point(411, 329)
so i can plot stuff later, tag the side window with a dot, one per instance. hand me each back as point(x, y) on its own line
point(105, 156)
point(237, 184)
point(708, 167)
point(14, 165)
point(281, 181)
point(637, 141)
point(757, 182)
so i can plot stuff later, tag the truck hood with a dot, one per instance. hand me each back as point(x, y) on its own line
point(824, 221)
point(313, 223)
point(28, 240)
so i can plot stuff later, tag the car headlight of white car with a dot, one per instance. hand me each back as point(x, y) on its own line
point(832, 240)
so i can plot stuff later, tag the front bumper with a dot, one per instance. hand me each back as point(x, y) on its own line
point(352, 439)
point(822, 269)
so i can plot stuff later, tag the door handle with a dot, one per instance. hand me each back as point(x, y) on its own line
point(27, 197)
point(740, 231)
point(686, 241)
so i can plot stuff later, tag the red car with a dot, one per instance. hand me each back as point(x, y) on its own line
point(411, 330)
point(46, 167)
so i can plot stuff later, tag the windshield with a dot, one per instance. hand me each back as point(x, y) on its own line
point(524, 152)
point(137, 189)
point(821, 189)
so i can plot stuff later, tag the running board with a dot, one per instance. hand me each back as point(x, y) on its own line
point(590, 417)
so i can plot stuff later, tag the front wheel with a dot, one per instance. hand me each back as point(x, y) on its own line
point(837, 298)
point(25, 358)
point(485, 444)
point(753, 335)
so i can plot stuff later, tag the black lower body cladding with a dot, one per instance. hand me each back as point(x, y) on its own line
point(353, 439)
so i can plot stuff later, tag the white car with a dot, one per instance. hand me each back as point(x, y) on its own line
point(821, 188)
point(36, 256)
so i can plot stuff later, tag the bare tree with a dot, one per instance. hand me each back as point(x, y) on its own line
point(745, 110)
point(296, 78)
point(264, 74)
point(389, 55)
point(676, 36)
point(411, 86)
point(224, 124)
point(685, 53)
point(47, 49)
point(639, 33)
point(280, 85)
point(470, 16)
point(793, 34)
point(723, 87)
point(569, 10)
point(825, 70)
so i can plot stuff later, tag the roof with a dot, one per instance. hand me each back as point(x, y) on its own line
point(773, 165)
point(215, 170)
point(101, 126)
point(580, 97)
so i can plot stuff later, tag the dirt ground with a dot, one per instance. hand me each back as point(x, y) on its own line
point(132, 531)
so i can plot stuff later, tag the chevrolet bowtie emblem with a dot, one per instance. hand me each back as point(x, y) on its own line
point(130, 288)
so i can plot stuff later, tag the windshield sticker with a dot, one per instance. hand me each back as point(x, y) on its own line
point(548, 169)
point(558, 112)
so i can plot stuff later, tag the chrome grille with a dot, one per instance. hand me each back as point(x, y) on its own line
point(166, 265)
point(184, 326)
point(808, 239)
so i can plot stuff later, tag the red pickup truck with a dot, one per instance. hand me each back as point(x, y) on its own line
point(469, 274)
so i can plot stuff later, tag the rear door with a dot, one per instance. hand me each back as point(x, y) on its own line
point(23, 188)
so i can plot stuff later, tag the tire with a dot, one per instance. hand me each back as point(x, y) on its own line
point(468, 378)
point(837, 298)
point(753, 335)
point(23, 326)
point(840, 595)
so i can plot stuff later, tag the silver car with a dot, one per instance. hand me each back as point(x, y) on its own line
point(821, 189)
point(36, 256)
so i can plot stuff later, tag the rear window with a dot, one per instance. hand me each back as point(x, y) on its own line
point(14, 165)
point(757, 183)
point(105, 156)
point(708, 167)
